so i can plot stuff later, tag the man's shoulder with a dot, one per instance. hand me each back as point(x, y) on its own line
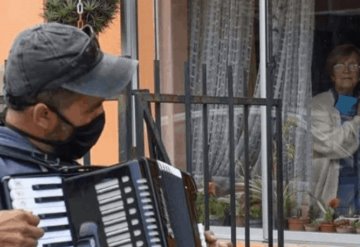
point(12, 147)
point(10, 138)
point(11, 166)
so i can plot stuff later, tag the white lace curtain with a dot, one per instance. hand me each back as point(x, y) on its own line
point(222, 34)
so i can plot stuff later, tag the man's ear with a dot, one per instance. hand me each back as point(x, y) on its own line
point(43, 117)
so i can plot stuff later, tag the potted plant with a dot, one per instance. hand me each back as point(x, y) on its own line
point(98, 14)
point(297, 222)
point(356, 225)
point(328, 211)
point(255, 215)
point(313, 226)
point(344, 226)
point(217, 208)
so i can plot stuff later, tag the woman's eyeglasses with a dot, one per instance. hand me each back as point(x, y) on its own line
point(340, 67)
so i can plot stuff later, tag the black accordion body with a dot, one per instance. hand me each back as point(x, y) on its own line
point(139, 203)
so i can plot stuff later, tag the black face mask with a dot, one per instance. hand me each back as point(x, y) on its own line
point(78, 143)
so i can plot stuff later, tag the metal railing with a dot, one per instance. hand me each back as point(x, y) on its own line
point(143, 101)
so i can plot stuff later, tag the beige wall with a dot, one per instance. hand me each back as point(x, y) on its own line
point(173, 55)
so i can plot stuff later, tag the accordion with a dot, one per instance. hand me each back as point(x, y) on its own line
point(138, 203)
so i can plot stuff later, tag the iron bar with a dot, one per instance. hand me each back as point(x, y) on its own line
point(205, 148)
point(279, 178)
point(139, 114)
point(269, 98)
point(188, 103)
point(157, 93)
point(218, 100)
point(151, 139)
point(247, 176)
point(160, 148)
point(125, 119)
point(129, 48)
point(231, 154)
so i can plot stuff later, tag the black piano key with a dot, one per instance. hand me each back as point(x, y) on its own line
point(55, 228)
point(49, 199)
point(46, 186)
point(52, 215)
point(62, 244)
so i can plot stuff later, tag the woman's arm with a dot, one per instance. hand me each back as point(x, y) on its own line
point(332, 139)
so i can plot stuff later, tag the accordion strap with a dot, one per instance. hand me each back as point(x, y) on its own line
point(46, 161)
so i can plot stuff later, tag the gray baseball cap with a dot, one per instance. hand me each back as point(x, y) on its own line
point(53, 55)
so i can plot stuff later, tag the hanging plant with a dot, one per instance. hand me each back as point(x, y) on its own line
point(97, 13)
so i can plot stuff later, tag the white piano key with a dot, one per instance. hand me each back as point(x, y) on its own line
point(27, 193)
point(54, 222)
point(29, 182)
point(59, 239)
point(30, 204)
point(56, 235)
point(50, 210)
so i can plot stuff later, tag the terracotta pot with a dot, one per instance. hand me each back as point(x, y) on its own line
point(297, 224)
point(327, 227)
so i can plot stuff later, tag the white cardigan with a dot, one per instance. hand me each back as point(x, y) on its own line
point(331, 142)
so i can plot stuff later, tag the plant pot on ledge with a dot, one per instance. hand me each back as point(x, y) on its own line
point(311, 227)
point(297, 223)
point(345, 229)
point(327, 227)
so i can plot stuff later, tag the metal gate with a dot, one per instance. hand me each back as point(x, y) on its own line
point(145, 101)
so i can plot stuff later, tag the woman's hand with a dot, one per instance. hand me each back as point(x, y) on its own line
point(18, 228)
point(214, 242)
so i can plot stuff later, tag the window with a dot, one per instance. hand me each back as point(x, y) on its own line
point(219, 33)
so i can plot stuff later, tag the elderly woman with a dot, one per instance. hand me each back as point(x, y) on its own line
point(335, 129)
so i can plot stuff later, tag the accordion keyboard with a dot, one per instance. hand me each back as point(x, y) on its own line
point(43, 196)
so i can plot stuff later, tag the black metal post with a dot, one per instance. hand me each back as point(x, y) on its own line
point(279, 178)
point(231, 154)
point(205, 148)
point(188, 118)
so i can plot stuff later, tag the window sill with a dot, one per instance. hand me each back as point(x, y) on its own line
point(296, 237)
